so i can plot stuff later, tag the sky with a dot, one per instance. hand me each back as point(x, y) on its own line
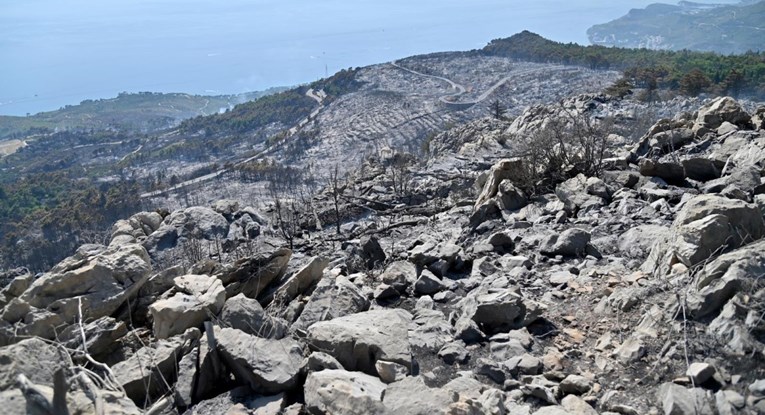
point(60, 52)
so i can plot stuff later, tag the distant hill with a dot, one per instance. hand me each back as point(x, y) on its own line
point(694, 26)
point(143, 111)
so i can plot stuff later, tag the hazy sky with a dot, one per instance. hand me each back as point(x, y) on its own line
point(57, 52)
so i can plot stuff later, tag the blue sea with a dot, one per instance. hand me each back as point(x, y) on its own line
point(59, 52)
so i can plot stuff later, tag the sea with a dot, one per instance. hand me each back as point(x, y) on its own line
point(59, 52)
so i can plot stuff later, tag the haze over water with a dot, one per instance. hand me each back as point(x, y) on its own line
point(55, 52)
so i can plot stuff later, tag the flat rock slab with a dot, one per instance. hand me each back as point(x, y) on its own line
point(266, 365)
point(342, 392)
point(357, 341)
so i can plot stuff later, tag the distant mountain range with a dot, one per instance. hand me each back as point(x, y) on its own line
point(695, 26)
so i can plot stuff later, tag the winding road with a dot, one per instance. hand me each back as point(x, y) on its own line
point(461, 89)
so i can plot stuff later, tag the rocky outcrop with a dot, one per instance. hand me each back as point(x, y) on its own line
point(93, 283)
point(707, 224)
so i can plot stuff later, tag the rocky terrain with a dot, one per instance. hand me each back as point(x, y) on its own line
point(481, 281)
point(688, 25)
point(399, 105)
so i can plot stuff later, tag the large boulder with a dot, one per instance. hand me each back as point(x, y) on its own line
point(678, 400)
point(197, 298)
point(343, 393)
point(358, 341)
point(151, 370)
point(332, 298)
point(575, 196)
point(251, 276)
point(196, 222)
point(707, 224)
point(247, 315)
point(571, 242)
point(498, 310)
point(725, 276)
point(299, 282)
point(34, 358)
point(265, 365)
point(718, 111)
point(91, 284)
point(504, 169)
point(412, 396)
point(671, 172)
point(758, 118)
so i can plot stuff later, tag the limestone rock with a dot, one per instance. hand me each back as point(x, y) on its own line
point(678, 400)
point(721, 109)
point(266, 365)
point(247, 315)
point(343, 393)
point(332, 298)
point(95, 279)
point(34, 358)
point(359, 340)
point(301, 280)
point(705, 225)
point(151, 364)
point(571, 242)
point(197, 298)
point(251, 276)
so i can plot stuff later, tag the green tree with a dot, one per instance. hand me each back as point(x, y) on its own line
point(694, 82)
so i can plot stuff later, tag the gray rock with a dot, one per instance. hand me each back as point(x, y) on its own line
point(510, 197)
point(573, 193)
point(299, 282)
point(524, 364)
point(359, 340)
point(332, 298)
point(251, 276)
point(412, 396)
point(247, 315)
point(343, 393)
point(721, 109)
point(700, 372)
point(390, 372)
point(151, 369)
point(372, 252)
point(399, 274)
point(428, 284)
point(454, 352)
point(499, 311)
point(705, 224)
point(702, 169)
point(318, 361)
point(101, 336)
point(96, 279)
point(34, 358)
point(266, 365)
point(671, 172)
point(577, 406)
point(187, 376)
point(429, 329)
point(571, 242)
point(678, 400)
point(631, 350)
point(197, 298)
point(576, 385)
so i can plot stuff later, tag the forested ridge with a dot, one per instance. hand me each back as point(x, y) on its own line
point(686, 71)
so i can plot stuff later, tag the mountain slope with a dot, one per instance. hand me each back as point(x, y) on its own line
point(716, 28)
